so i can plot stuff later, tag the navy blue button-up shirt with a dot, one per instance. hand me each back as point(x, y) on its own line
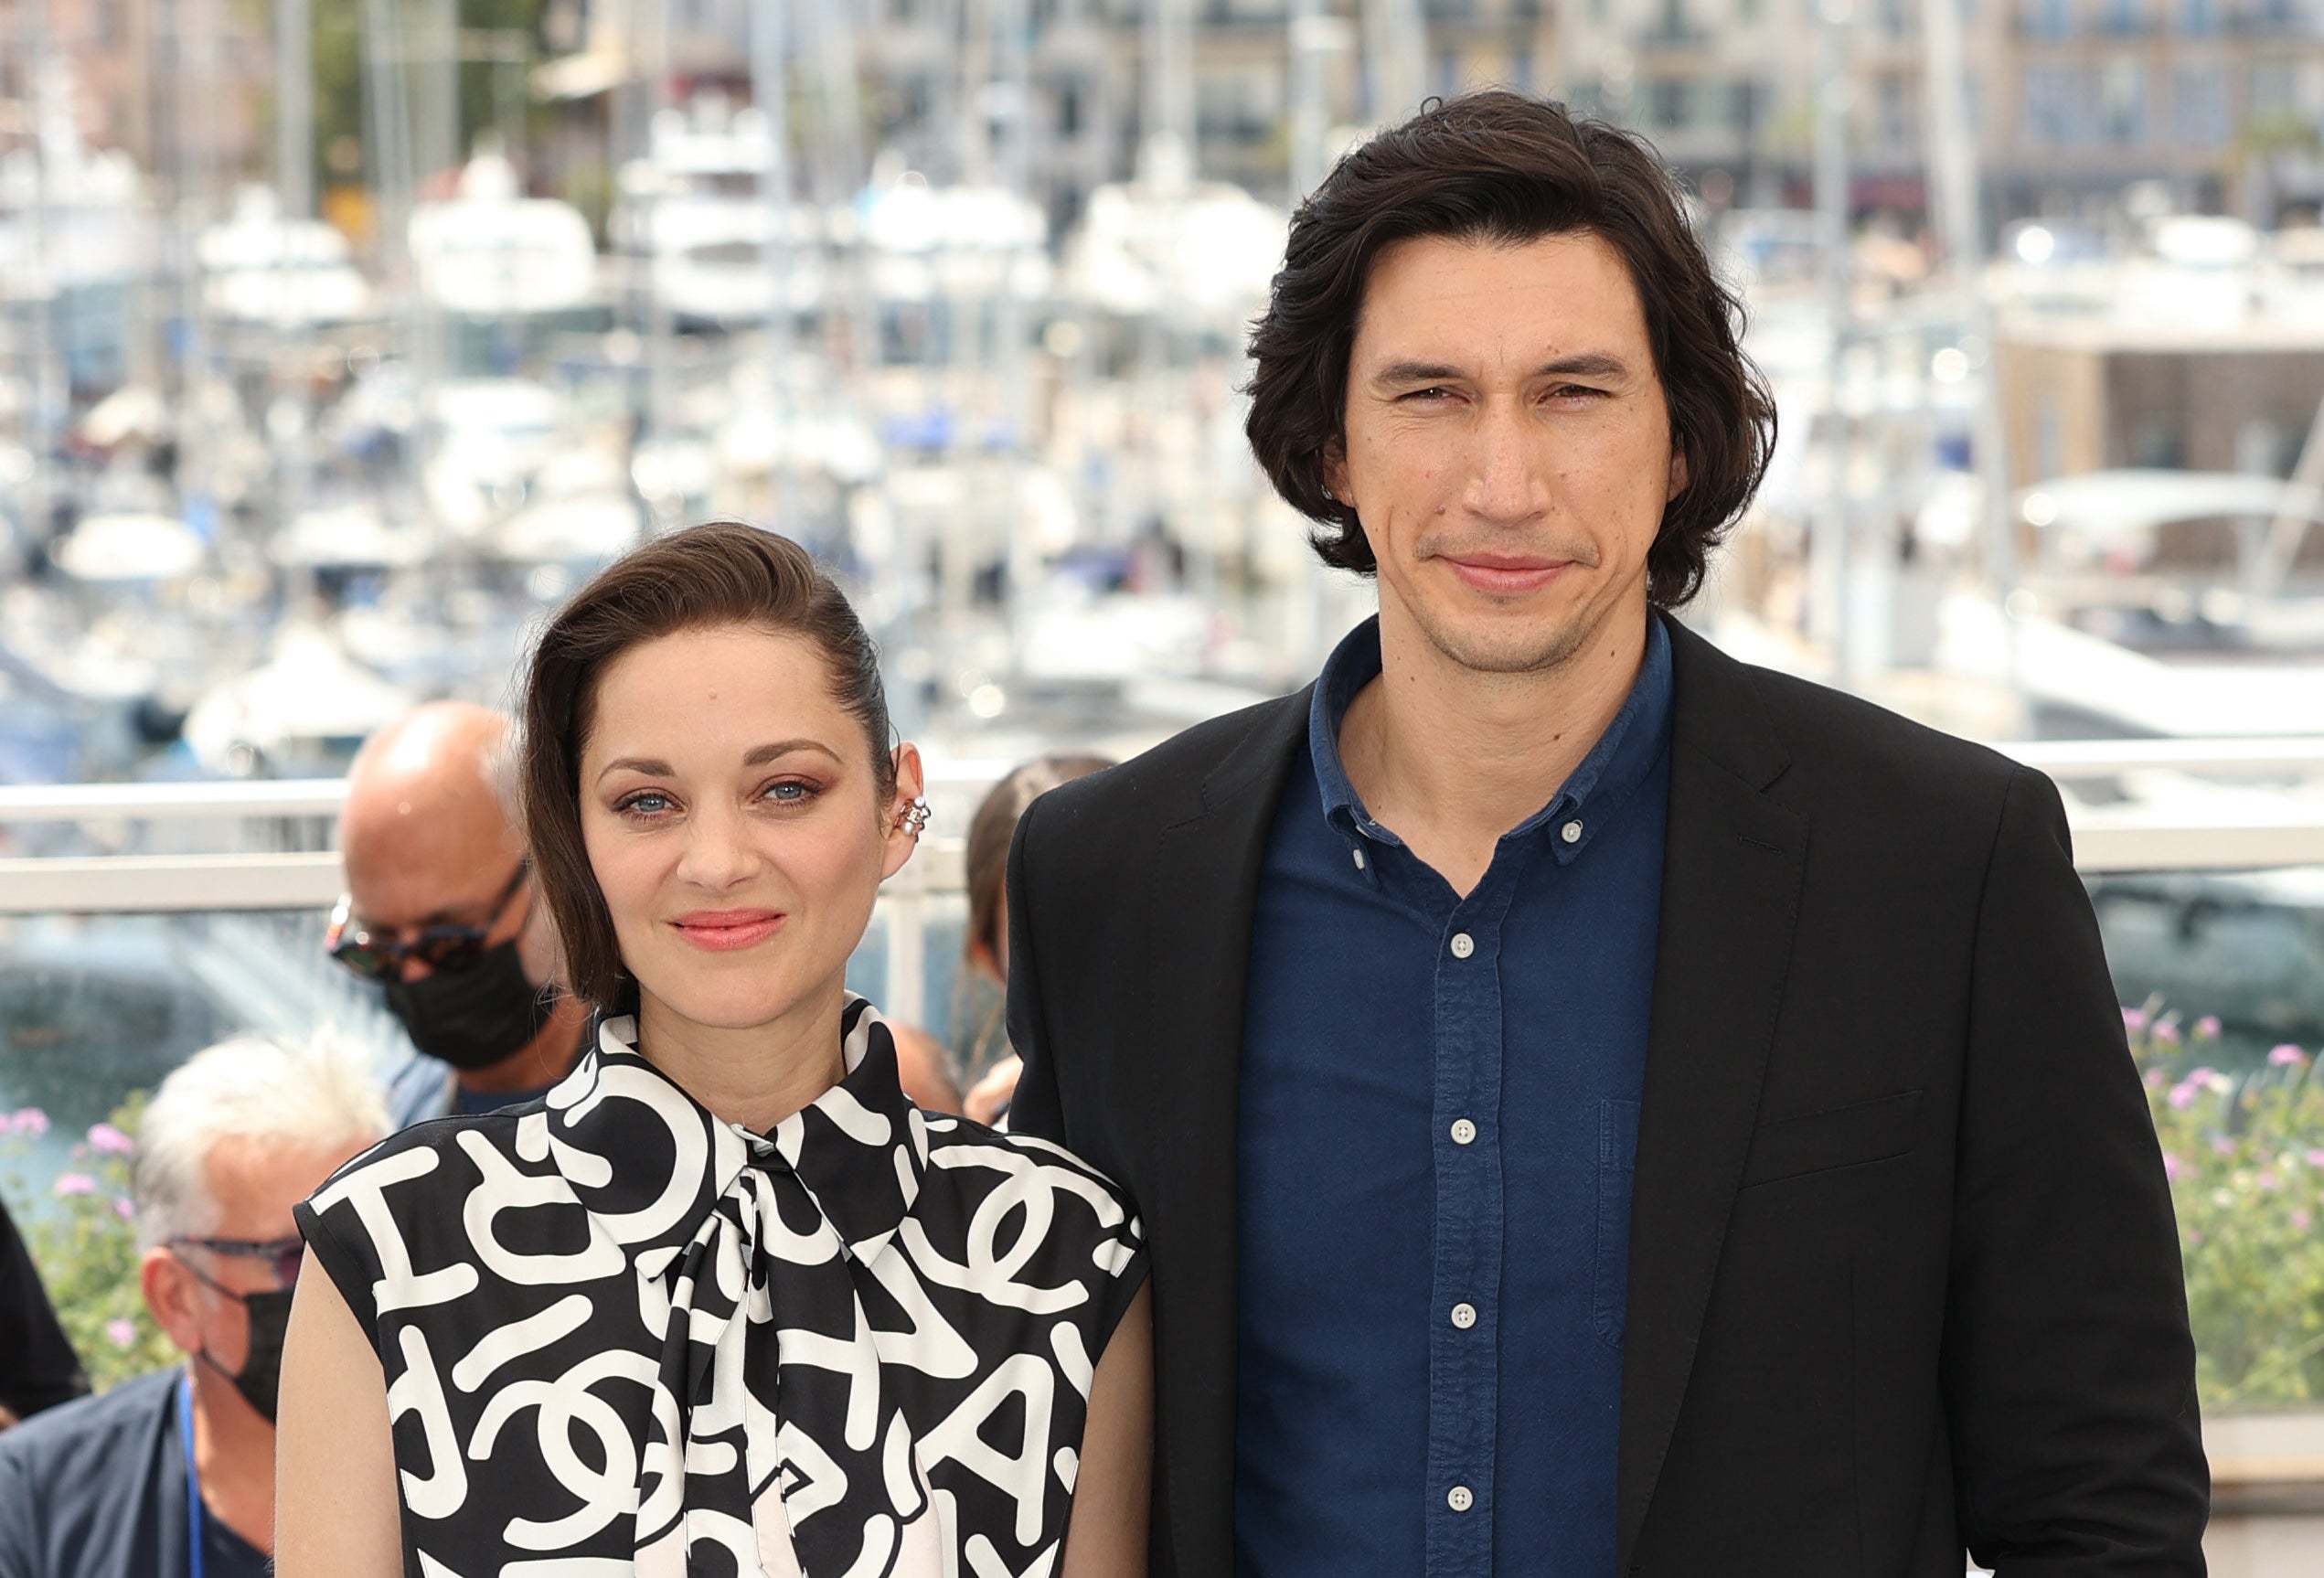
point(1439, 1112)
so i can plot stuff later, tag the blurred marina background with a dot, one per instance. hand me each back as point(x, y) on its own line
point(339, 339)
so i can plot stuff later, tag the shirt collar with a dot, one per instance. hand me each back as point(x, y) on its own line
point(1620, 760)
point(860, 1149)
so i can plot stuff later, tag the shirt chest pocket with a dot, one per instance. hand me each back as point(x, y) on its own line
point(1617, 1167)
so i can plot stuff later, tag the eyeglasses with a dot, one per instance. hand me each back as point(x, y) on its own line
point(286, 1253)
point(447, 947)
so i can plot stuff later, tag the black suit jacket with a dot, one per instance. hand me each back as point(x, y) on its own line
point(1903, 1277)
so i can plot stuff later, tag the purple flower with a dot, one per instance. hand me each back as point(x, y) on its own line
point(2222, 1144)
point(121, 1332)
point(2286, 1056)
point(28, 1121)
point(2183, 1094)
point(75, 1183)
point(124, 1208)
point(2173, 1167)
point(111, 1141)
point(2300, 1220)
point(2134, 1019)
point(2166, 1032)
point(2155, 1077)
point(2207, 1027)
point(2316, 1158)
point(2269, 1180)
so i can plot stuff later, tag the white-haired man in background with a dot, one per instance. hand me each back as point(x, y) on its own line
point(109, 1487)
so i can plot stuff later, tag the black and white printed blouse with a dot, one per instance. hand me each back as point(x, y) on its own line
point(621, 1336)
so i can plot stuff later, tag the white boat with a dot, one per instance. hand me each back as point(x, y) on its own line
point(260, 266)
point(129, 548)
point(695, 207)
point(304, 711)
point(1204, 252)
point(492, 252)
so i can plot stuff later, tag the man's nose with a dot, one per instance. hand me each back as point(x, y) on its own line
point(1504, 480)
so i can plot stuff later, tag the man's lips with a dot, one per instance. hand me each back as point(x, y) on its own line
point(723, 930)
point(1506, 571)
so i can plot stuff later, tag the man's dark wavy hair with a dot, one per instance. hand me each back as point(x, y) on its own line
point(1499, 166)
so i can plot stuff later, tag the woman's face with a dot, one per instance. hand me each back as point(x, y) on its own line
point(731, 816)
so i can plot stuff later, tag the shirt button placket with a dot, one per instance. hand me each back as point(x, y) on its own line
point(1463, 944)
point(1460, 1498)
point(1464, 1316)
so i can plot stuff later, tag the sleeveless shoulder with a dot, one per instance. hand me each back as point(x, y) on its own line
point(1077, 1237)
point(411, 1189)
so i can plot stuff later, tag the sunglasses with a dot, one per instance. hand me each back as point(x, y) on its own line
point(446, 947)
point(285, 1254)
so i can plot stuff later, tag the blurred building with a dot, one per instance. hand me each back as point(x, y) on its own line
point(185, 86)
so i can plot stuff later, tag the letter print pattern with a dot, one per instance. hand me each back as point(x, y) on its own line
point(621, 1336)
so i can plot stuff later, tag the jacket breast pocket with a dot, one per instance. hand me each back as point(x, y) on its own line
point(1617, 1168)
point(1847, 1137)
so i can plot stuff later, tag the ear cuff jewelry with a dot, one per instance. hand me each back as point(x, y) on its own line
point(913, 818)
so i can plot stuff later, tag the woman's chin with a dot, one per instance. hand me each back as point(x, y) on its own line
point(726, 1005)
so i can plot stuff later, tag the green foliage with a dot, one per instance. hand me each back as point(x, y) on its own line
point(86, 1247)
point(2245, 1155)
point(499, 43)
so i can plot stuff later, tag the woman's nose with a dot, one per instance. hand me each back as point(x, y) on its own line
point(718, 854)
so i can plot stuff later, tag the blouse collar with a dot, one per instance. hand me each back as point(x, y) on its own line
point(861, 1150)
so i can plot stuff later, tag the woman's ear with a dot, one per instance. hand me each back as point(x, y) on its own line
point(901, 834)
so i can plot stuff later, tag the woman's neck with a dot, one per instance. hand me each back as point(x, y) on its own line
point(756, 1075)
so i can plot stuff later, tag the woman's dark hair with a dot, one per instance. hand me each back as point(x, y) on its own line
point(700, 577)
point(986, 860)
point(1499, 166)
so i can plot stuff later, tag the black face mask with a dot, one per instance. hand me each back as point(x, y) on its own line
point(260, 1380)
point(473, 1019)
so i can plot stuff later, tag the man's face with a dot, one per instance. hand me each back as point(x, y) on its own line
point(253, 1186)
point(1507, 445)
point(411, 872)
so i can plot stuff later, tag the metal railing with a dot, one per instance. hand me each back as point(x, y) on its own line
point(2206, 825)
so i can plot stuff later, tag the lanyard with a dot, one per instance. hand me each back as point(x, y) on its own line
point(193, 1481)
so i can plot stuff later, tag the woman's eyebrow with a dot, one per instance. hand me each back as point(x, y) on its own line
point(758, 756)
point(643, 766)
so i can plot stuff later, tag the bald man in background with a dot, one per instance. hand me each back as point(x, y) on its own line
point(442, 912)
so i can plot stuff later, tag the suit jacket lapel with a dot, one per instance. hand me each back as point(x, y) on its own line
point(1731, 869)
point(1205, 887)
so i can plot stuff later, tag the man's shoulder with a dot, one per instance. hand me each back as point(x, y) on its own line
point(77, 1439)
point(1165, 783)
point(1876, 758)
point(417, 1089)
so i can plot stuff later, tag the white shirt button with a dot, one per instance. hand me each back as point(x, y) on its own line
point(1571, 832)
point(1460, 1498)
point(1359, 859)
point(1463, 944)
point(1462, 1131)
point(1464, 1316)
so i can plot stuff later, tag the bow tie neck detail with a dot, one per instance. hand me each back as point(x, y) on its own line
point(772, 1452)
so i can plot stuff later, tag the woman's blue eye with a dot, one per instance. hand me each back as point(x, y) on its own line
point(788, 793)
point(648, 802)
